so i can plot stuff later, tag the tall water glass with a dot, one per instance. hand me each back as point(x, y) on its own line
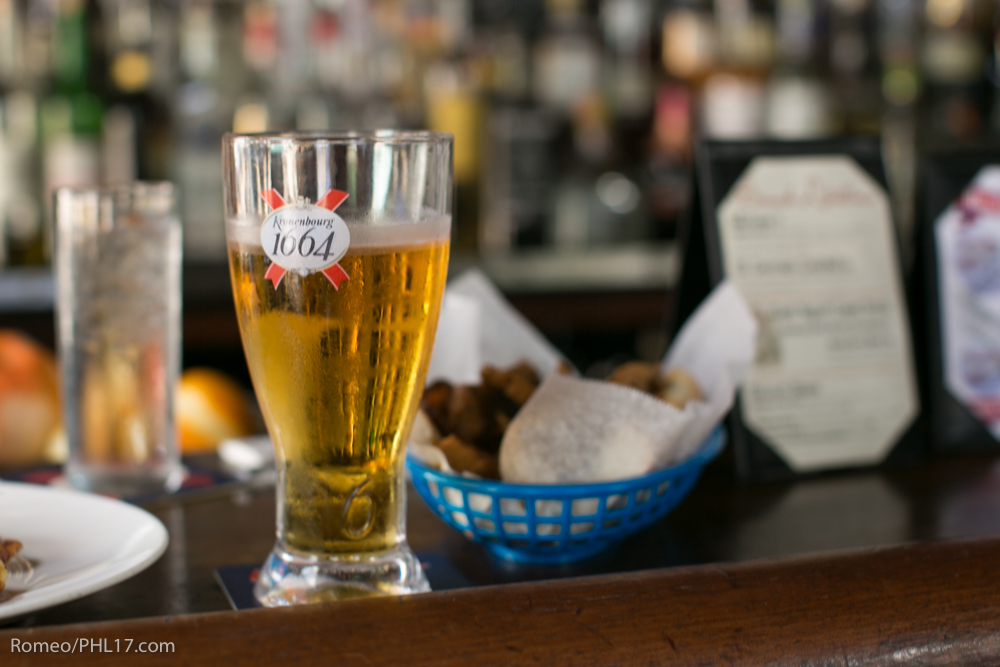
point(118, 310)
point(338, 253)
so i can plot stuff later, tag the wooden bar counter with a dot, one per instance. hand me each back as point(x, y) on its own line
point(877, 567)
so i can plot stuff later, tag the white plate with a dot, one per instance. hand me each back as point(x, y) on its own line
point(75, 544)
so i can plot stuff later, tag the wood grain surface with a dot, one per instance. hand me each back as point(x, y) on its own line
point(924, 604)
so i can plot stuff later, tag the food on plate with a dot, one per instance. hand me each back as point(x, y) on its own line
point(675, 386)
point(212, 407)
point(29, 401)
point(8, 549)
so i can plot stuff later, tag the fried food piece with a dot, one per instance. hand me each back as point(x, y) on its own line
point(467, 413)
point(435, 403)
point(517, 383)
point(677, 388)
point(463, 457)
point(636, 374)
point(8, 549)
point(493, 376)
point(479, 415)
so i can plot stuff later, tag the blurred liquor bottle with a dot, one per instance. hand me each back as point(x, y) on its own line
point(140, 51)
point(211, 78)
point(454, 102)
point(364, 65)
point(318, 107)
point(566, 58)
point(454, 105)
point(598, 202)
point(723, 52)
point(21, 239)
point(287, 84)
point(733, 96)
point(628, 64)
point(898, 43)
point(520, 169)
point(521, 172)
point(254, 111)
point(504, 30)
point(646, 188)
point(799, 103)
point(569, 61)
point(602, 198)
point(852, 60)
point(72, 112)
point(688, 55)
point(666, 178)
point(688, 40)
point(952, 56)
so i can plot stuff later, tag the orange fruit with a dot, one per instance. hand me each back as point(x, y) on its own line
point(211, 407)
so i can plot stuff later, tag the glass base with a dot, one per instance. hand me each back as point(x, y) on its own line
point(292, 578)
point(125, 481)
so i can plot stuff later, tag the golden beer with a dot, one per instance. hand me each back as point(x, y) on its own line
point(339, 375)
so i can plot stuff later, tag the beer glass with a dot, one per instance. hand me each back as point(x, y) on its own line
point(338, 253)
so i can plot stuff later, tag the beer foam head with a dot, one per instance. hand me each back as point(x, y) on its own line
point(366, 233)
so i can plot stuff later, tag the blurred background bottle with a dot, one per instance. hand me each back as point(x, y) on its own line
point(73, 108)
point(21, 240)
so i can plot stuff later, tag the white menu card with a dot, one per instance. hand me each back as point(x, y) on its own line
point(810, 243)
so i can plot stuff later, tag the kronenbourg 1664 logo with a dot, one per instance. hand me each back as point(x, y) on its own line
point(305, 238)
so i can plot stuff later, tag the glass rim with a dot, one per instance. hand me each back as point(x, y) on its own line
point(343, 138)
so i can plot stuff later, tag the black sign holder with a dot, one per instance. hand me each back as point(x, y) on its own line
point(718, 165)
point(944, 174)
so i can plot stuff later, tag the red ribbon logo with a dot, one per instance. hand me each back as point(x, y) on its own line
point(330, 201)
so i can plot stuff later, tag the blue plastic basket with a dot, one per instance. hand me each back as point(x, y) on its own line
point(554, 524)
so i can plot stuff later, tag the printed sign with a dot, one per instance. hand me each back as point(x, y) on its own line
point(967, 235)
point(810, 243)
point(305, 238)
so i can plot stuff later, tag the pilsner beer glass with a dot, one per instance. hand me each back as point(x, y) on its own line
point(338, 253)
